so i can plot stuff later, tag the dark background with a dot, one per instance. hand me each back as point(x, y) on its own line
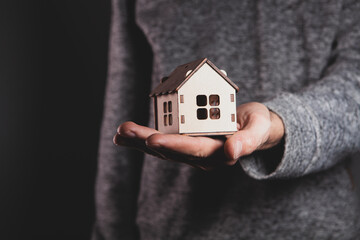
point(53, 64)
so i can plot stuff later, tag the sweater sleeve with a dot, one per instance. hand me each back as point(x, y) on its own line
point(322, 122)
point(127, 89)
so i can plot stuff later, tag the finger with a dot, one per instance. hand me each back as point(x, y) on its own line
point(195, 146)
point(247, 140)
point(171, 154)
point(135, 144)
point(205, 164)
point(133, 130)
point(163, 153)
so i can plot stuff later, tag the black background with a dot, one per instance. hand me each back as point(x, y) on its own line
point(53, 64)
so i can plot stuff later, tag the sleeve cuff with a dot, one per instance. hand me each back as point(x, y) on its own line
point(300, 146)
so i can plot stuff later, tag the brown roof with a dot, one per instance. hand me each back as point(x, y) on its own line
point(178, 77)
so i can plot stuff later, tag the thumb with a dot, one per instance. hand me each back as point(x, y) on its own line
point(247, 140)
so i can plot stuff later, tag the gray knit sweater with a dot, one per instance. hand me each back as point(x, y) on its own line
point(300, 58)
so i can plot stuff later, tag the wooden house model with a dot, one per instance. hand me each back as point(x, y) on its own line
point(196, 99)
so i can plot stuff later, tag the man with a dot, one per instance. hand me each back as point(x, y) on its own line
point(283, 174)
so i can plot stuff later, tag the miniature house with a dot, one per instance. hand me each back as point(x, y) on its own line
point(196, 99)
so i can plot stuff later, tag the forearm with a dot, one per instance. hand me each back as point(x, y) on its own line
point(321, 122)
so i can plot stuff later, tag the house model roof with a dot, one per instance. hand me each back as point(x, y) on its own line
point(183, 73)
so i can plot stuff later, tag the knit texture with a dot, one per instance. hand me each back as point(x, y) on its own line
point(300, 58)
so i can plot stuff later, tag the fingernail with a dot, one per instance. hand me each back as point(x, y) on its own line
point(237, 149)
point(117, 140)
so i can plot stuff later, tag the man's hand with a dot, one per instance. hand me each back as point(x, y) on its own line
point(258, 129)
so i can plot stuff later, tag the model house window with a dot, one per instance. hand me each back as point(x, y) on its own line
point(201, 100)
point(167, 108)
point(165, 120)
point(202, 113)
point(214, 113)
point(214, 100)
point(170, 119)
point(170, 106)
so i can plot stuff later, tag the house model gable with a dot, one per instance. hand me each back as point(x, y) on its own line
point(196, 99)
point(182, 74)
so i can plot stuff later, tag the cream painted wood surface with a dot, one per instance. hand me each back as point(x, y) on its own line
point(207, 82)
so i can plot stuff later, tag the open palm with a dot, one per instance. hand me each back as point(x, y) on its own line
point(258, 128)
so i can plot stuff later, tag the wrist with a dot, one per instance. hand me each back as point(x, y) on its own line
point(277, 129)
